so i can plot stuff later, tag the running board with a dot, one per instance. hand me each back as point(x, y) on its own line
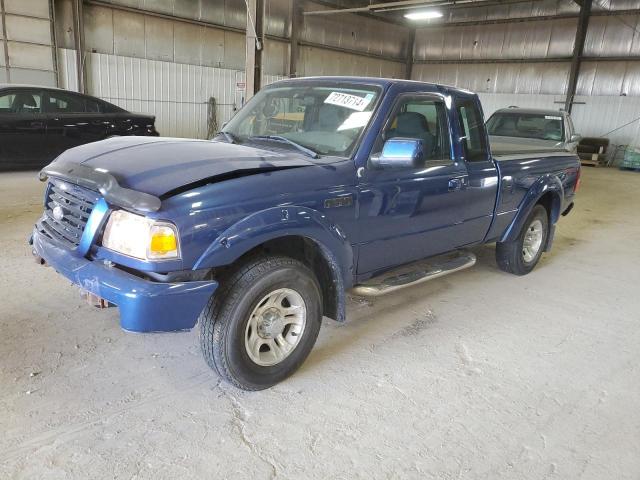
point(415, 273)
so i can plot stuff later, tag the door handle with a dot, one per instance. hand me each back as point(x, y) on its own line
point(37, 124)
point(456, 184)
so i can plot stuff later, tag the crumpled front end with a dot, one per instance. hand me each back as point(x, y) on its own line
point(63, 238)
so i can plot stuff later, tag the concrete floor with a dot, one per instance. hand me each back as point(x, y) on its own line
point(480, 375)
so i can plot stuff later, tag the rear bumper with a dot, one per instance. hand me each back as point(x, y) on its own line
point(145, 306)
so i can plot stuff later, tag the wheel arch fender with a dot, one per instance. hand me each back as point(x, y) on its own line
point(546, 190)
point(291, 221)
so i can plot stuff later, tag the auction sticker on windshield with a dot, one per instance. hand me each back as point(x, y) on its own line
point(346, 100)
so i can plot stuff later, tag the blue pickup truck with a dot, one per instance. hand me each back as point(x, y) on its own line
point(317, 187)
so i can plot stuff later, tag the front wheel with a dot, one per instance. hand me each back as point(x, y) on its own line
point(262, 323)
point(521, 255)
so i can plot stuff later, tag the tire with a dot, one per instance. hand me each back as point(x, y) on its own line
point(239, 323)
point(518, 256)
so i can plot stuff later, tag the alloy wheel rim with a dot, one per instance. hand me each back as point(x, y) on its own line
point(532, 241)
point(275, 327)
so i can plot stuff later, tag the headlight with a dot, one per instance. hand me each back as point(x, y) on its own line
point(140, 237)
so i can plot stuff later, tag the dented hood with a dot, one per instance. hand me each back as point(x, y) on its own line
point(159, 165)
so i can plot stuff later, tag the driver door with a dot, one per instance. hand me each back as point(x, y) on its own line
point(409, 213)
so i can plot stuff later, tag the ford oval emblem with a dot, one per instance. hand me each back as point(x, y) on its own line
point(58, 213)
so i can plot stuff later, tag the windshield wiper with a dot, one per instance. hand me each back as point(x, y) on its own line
point(229, 137)
point(278, 138)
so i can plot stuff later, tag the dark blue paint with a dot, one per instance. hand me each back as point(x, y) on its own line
point(145, 306)
point(228, 199)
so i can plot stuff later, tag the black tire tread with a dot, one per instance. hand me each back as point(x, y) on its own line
point(509, 254)
point(215, 315)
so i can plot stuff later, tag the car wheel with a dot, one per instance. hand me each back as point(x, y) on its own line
point(263, 321)
point(521, 255)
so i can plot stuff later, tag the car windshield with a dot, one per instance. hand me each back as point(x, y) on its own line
point(526, 125)
point(324, 118)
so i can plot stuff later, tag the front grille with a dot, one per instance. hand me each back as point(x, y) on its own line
point(67, 209)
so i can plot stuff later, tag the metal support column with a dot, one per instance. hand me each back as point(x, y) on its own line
point(3, 17)
point(578, 49)
point(411, 40)
point(255, 47)
point(294, 46)
point(78, 41)
point(54, 42)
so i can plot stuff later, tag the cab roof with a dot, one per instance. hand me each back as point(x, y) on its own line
point(382, 82)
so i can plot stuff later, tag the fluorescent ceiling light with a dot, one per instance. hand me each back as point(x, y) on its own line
point(423, 15)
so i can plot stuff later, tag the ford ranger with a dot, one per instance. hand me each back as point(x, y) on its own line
point(317, 187)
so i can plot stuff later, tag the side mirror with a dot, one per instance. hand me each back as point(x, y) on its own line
point(575, 138)
point(399, 153)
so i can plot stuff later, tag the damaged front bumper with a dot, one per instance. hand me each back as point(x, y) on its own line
point(145, 306)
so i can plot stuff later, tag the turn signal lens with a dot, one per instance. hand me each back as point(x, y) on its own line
point(164, 242)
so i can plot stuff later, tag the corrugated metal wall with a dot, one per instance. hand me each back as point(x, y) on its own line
point(477, 47)
point(521, 40)
point(534, 8)
point(170, 68)
point(177, 94)
point(26, 47)
point(317, 61)
point(527, 62)
point(357, 33)
point(523, 78)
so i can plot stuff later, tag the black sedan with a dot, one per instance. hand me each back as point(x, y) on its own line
point(37, 124)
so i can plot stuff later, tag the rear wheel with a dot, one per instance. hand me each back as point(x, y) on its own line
point(260, 326)
point(521, 255)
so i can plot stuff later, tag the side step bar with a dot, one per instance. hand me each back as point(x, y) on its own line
point(415, 273)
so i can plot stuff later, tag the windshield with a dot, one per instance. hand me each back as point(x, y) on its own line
point(526, 125)
point(325, 118)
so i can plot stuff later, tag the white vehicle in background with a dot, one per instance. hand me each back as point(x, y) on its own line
point(514, 129)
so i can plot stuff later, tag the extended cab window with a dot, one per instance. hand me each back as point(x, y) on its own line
point(20, 102)
point(61, 102)
point(423, 118)
point(472, 129)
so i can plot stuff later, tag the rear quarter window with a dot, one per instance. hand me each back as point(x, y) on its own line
point(472, 129)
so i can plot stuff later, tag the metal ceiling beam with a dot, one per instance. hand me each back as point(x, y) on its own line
point(377, 10)
point(594, 13)
point(578, 49)
point(487, 61)
point(372, 7)
point(382, 18)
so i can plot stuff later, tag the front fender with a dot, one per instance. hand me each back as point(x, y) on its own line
point(277, 222)
point(542, 186)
